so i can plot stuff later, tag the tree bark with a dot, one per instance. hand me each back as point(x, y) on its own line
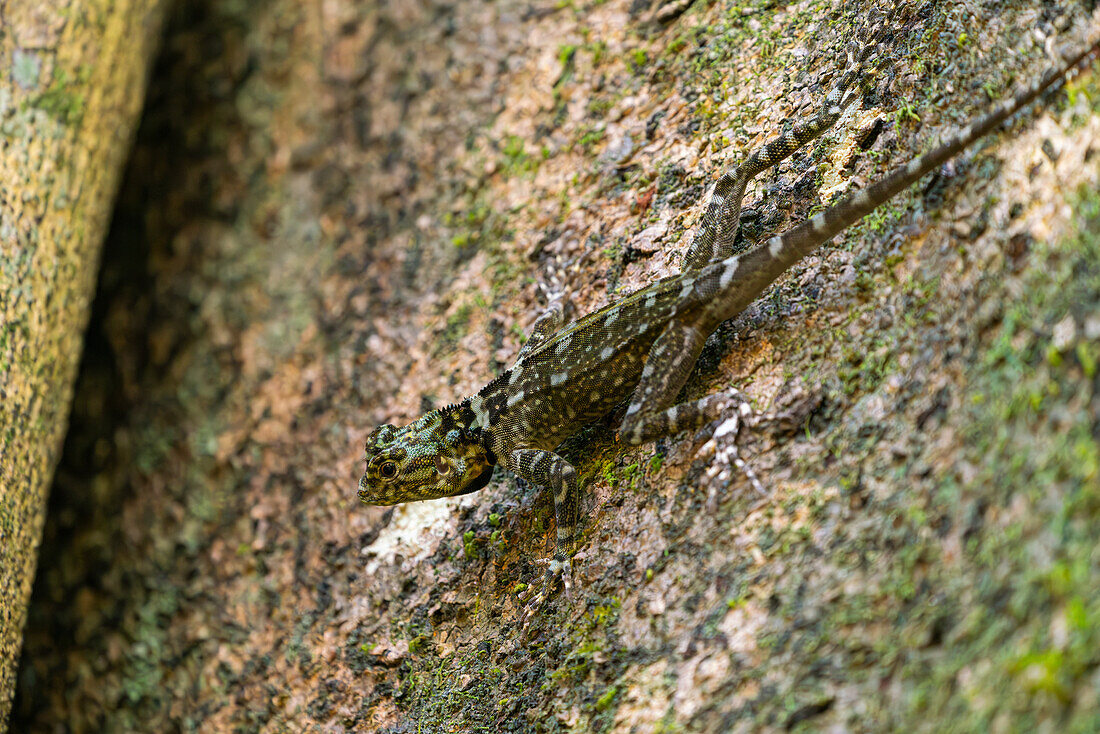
point(73, 82)
point(351, 211)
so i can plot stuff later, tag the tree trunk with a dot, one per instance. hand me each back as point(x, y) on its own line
point(74, 78)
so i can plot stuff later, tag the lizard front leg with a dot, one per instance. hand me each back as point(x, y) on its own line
point(547, 469)
point(546, 325)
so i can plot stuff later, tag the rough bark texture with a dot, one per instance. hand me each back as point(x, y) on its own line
point(70, 92)
point(342, 213)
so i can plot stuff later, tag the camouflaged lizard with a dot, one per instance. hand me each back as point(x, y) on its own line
point(641, 347)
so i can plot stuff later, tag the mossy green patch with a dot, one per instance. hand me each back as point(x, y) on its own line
point(517, 161)
point(1028, 644)
point(63, 99)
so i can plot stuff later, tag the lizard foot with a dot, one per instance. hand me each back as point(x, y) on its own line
point(722, 446)
point(558, 567)
point(557, 297)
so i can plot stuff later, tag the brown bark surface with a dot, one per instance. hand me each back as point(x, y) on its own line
point(73, 77)
point(342, 213)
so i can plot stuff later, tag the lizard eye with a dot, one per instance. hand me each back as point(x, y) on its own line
point(442, 466)
point(388, 470)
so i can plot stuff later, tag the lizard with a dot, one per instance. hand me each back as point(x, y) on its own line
point(642, 347)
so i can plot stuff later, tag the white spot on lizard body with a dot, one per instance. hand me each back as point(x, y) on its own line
point(477, 405)
point(728, 273)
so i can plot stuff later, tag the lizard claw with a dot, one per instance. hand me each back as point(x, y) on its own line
point(556, 568)
point(722, 446)
point(556, 296)
point(563, 569)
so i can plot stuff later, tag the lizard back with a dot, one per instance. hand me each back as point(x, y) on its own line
point(582, 372)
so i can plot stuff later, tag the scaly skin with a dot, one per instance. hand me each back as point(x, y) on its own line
point(641, 347)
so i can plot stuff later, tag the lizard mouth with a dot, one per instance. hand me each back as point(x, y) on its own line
point(363, 492)
point(368, 495)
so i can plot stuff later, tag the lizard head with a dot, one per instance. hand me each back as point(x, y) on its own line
point(434, 457)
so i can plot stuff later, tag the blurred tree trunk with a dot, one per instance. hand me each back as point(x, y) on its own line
point(74, 82)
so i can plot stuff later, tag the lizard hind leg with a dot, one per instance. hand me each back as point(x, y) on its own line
point(717, 233)
point(652, 411)
point(670, 362)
